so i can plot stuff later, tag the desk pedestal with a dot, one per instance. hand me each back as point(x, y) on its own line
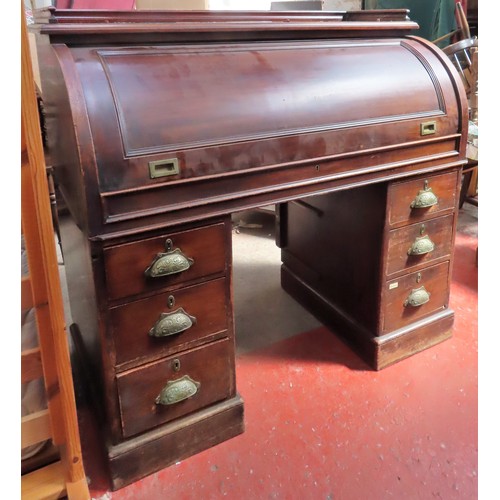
point(373, 265)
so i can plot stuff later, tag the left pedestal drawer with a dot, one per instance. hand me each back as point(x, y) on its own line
point(151, 328)
point(175, 386)
point(161, 262)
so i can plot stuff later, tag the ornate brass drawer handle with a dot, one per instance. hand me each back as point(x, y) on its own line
point(424, 199)
point(417, 297)
point(171, 262)
point(421, 246)
point(172, 323)
point(178, 390)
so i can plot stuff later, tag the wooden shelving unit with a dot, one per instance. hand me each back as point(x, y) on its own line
point(41, 290)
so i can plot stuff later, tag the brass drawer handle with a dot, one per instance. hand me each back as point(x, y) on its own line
point(171, 262)
point(425, 198)
point(172, 323)
point(418, 297)
point(178, 390)
point(421, 246)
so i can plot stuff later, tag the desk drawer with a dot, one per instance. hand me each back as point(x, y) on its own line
point(187, 382)
point(187, 255)
point(189, 316)
point(414, 296)
point(422, 198)
point(419, 244)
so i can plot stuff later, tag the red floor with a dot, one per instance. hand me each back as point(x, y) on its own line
point(321, 425)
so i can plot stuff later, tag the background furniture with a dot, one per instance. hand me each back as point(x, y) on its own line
point(41, 290)
point(465, 195)
point(464, 55)
point(435, 17)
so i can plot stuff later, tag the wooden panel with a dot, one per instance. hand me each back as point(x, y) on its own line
point(396, 314)
point(201, 89)
point(46, 483)
point(171, 4)
point(211, 366)
point(402, 194)
point(334, 242)
point(50, 371)
point(132, 322)
point(35, 428)
point(26, 293)
point(248, 179)
point(31, 365)
point(386, 19)
point(439, 231)
point(125, 264)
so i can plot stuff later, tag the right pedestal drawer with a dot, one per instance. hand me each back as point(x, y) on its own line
point(421, 199)
point(414, 296)
point(419, 244)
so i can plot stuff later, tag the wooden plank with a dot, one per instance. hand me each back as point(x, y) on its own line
point(50, 372)
point(42, 262)
point(26, 294)
point(78, 490)
point(47, 455)
point(31, 365)
point(33, 226)
point(472, 191)
point(35, 428)
point(44, 484)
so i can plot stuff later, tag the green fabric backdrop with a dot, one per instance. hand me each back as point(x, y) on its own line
point(435, 17)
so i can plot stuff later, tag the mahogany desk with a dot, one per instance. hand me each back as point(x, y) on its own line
point(162, 124)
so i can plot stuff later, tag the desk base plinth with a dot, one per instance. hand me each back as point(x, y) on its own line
point(377, 351)
point(168, 444)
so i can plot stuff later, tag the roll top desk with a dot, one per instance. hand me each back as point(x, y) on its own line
point(162, 124)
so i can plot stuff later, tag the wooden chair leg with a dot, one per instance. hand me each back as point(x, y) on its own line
point(465, 187)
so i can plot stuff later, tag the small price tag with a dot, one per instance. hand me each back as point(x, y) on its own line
point(393, 285)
